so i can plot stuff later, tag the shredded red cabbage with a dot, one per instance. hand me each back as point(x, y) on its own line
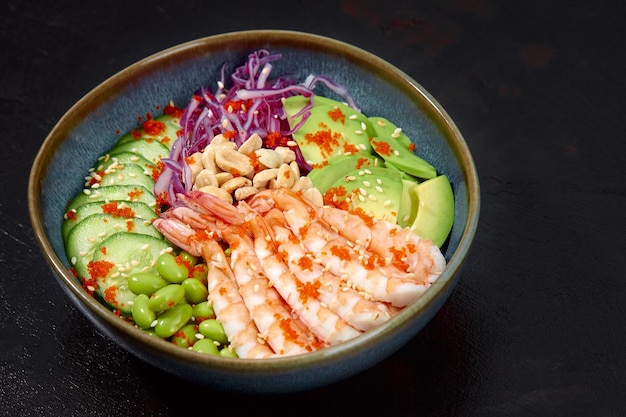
point(252, 103)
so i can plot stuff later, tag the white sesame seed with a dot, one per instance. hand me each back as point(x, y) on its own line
point(367, 183)
point(396, 153)
point(379, 188)
point(358, 132)
point(372, 197)
point(386, 203)
point(352, 117)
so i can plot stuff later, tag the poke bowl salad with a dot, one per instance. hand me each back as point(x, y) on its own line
point(263, 214)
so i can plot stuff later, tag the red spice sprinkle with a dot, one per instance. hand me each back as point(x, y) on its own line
point(230, 134)
point(305, 263)
point(369, 220)
point(71, 215)
point(326, 140)
point(308, 290)
point(341, 252)
point(157, 170)
point(411, 147)
point(337, 115)
point(397, 260)
point(99, 269)
point(321, 164)
point(153, 127)
point(274, 139)
point(135, 194)
point(130, 225)
point(109, 294)
point(113, 209)
point(103, 250)
point(254, 160)
point(238, 105)
point(381, 147)
point(350, 148)
point(173, 111)
point(360, 162)
point(90, 285)
point(137, 134)
point(288, 331)
point(392, 232)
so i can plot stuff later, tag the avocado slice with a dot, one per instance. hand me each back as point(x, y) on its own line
point(332, 128)
point(434, 214)
point(324, 177)
point(376, 190)
point(395, 148)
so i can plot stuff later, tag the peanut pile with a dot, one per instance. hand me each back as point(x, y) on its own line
point(234, 174)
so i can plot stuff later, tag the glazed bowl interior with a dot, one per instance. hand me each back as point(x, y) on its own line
point(93, 124)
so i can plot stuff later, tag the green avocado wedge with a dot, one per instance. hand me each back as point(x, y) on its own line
point(434, 214)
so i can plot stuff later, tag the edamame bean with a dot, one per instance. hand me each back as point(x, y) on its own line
point(203, 310)
point(195, 291)
point(228, 352)
point(200, 272)
point(189, 258)
point(173, 320)
point(166, 298)
point(213, 329)
point(145, 283)
point(143, 316)
point(205, 346)
point(172, 268)
point(186, 336)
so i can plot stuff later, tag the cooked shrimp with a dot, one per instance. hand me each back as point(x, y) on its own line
point(323, 322)
point(228, 304)
point(376, 273)
point(356, 308)
point(286, 334)
point(230, 308)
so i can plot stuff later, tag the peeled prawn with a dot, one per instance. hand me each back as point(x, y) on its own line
point(356, 308)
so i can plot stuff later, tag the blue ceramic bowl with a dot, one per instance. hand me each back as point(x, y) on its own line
point(89, 129)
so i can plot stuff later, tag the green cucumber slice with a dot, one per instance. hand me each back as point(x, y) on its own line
point(120, 174)
point(151, 149)
point(85, 237)
point(114, 193)
point(132, 208)
point(129, 253)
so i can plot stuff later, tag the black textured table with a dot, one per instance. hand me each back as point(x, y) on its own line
point(536, 325)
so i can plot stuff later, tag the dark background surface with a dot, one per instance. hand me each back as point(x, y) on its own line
point(535, 327)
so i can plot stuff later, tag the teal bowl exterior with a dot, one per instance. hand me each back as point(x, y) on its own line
point(93, 124)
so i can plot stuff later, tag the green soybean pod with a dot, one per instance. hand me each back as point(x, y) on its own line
point(200, 272)
point(145, 283)
point(171, 268)
point(195, 291)
point(186, 336)
point(203, 310)
point(143, 316)
point(189, 258)
point(166, 298)
point(173, 320)
point(228, 352)
point(206, 346)
point(213, 329)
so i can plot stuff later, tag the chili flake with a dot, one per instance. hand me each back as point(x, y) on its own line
point(381, 147)
point(114, 209)
point(337, 115)
point(326, 140)
point(99, 269)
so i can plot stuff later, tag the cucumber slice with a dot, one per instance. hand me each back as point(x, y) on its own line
point(114, 193)
point(105, 161)
point(129, 253)
point(126, 209)
point(150, 149)
point(85, 236)
point(120, 174)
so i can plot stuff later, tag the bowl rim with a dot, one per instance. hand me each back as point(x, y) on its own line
point(294, 38)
